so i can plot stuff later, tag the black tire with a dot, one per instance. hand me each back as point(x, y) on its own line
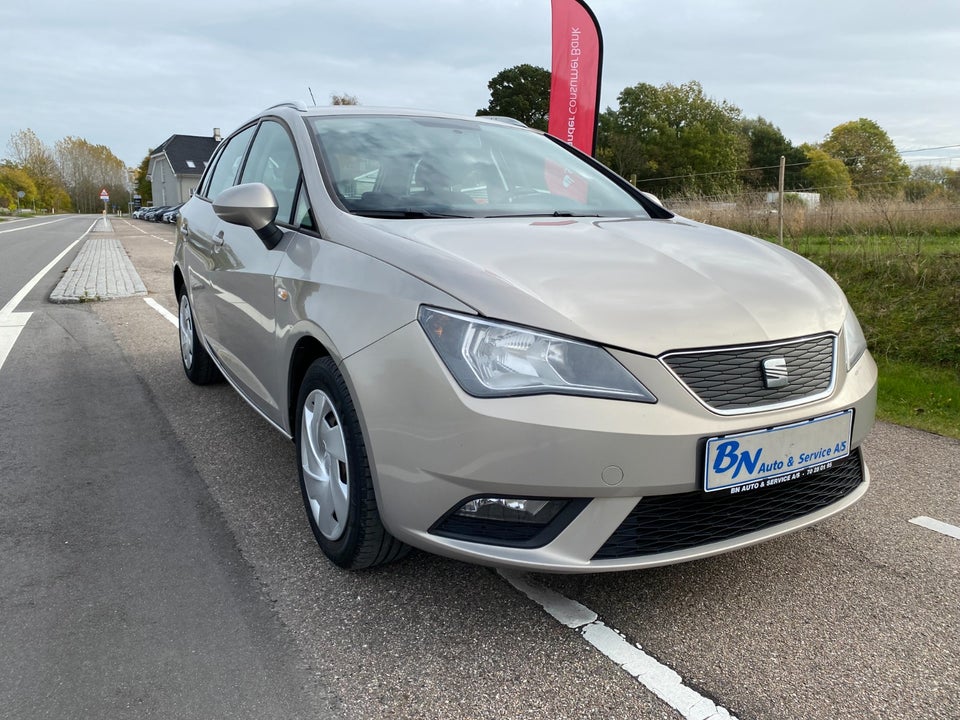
point(197, 363)
point(335, 480)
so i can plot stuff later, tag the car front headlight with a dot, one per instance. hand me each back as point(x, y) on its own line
point(854, 341)
point(491, 359)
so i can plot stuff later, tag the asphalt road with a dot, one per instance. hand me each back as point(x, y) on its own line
point(156, 562)
point(123, 592)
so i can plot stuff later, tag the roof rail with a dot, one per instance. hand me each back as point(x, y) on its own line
point(295, 104)
point(504, 119)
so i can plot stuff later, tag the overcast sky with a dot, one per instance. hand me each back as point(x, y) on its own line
point(128, 74)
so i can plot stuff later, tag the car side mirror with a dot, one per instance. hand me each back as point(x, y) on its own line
point(652, 198)
point(252, 205)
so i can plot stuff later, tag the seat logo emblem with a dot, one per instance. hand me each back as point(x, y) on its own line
point(774, 372)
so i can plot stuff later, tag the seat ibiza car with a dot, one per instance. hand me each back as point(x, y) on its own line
point(489, 346)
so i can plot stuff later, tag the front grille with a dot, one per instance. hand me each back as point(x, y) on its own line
point(731, 379)
point(666, 523)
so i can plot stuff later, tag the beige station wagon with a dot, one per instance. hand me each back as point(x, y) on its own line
point(487, 345)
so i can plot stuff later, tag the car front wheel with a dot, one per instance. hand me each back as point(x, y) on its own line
point(197, 364)
point(335, 479)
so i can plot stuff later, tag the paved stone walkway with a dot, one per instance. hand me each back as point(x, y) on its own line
point(101, 271)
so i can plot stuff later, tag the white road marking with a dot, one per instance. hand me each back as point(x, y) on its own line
point(10, 326)
point(145, 232)
point(35, 225)
point(163, 311)
point(11, 323)
point(136, 227)
point(937, 526)
point(647, 670)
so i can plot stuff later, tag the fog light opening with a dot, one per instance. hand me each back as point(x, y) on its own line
point(509, 521)
point(511, 509)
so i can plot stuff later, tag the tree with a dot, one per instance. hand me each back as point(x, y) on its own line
point(142, 185)
point(343, 99)
point(677, 139)
point(826, 175)
point(14, 180)
point(28, 151)
point(87, 168)
point(522, 93)
point(926, 182)
point(767, 145)
point(875, 166)
point(30, 154)
point(619, 150)
point(951, 180)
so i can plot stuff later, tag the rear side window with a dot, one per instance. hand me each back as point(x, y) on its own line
point(224, 173)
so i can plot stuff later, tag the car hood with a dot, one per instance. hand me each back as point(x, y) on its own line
point(644, 285)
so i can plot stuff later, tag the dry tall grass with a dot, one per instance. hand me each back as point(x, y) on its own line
point(831, 219)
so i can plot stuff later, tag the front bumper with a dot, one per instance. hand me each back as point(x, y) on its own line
point(432, 446)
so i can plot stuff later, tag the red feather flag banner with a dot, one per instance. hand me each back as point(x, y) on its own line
point(575, 83)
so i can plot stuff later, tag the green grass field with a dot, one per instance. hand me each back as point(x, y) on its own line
point(918, 396)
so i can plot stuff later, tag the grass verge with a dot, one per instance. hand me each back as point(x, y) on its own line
point(926, 398)
point(906, 293)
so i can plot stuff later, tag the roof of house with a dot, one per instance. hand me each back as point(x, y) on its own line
point(188, 154)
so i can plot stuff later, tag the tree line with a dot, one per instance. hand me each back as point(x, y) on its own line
point(675, 141)
point(65, 178)
point(69, 176)
point(671, 140)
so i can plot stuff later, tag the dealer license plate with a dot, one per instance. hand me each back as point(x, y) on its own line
point(760, 458)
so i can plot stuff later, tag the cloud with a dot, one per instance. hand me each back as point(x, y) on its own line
point(128, 78)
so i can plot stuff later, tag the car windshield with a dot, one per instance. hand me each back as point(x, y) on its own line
point(403, 167)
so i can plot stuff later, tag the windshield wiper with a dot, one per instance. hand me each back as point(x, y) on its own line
point(555, 213)
point(406, 213)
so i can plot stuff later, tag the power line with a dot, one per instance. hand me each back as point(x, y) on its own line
point(759, 196)
point(801, 164)
point(941, 147)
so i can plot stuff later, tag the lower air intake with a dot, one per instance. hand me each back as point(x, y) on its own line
point(667, 523)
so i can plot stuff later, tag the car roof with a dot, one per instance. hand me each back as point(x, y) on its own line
point(296, 108)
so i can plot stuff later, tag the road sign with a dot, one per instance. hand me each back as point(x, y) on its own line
point(104, 195)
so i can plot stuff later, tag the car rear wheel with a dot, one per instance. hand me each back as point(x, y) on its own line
point(197, 364)
point(335, 479)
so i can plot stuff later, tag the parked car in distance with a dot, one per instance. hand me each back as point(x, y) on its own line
point(171, 215)
point(157, 215)
point(151, 212)
point(487, 345)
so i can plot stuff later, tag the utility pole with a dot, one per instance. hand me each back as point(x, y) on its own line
point(783, 168)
